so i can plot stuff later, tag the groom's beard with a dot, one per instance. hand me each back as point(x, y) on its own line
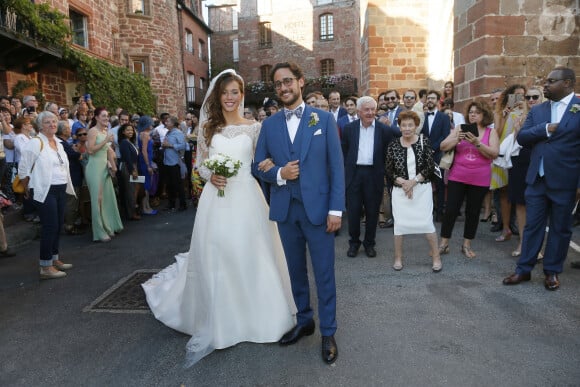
point(293, 97)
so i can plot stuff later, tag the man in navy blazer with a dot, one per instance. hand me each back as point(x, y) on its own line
point(391, 115)
point(436, 127)
point(306, 199)
point(350, 104)
point(334, 105)
point(364, 146)
point(552, 129)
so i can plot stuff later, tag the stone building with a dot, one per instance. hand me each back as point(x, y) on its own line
point(165, 40)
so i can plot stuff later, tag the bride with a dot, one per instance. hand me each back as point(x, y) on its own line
point(233, 284)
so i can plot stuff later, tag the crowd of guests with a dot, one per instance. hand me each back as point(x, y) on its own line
point(84, 170)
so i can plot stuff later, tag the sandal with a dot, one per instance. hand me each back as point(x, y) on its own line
point(516, 253)
point(468, 252)
point(382, 224)
point(398, 266)
point(443, 249)
point(437, 267)
point(505, 236)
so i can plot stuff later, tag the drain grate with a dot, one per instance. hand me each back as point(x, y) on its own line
point(126, 296)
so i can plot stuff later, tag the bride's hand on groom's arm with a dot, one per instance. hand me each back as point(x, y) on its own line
point(218, 181)
point(265, 165)
point(333, 223)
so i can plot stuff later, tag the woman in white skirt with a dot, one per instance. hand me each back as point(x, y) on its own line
point(410, 165)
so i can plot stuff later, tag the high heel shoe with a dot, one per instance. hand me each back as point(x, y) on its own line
point(505, 236)
point(485, 220)
point(398, 266)
point(444, 249)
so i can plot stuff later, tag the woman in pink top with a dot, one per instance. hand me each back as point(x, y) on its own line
point(470, 174)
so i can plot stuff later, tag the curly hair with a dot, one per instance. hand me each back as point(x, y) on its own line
point(503, 99)
point(409, 115)
point(483, 107)
point(215, 117)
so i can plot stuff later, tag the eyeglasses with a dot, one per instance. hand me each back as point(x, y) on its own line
point(553, 80)
point(81, 134)
point(534, 97)
point(390, 98)
point(409, 97)
point(286, 81)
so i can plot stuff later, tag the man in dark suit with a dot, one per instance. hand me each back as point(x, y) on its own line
point(334, 105)
point(364, 146)
point(306, 199)
point(350, 104)
point(393, 100)
point(436, 127)
point(552, 129)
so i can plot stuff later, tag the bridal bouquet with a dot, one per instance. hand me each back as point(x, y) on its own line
point(222, 165)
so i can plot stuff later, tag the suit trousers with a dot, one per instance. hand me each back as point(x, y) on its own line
point(542, 202)
point(296, 233)
point(174, 185)
point(362, 193)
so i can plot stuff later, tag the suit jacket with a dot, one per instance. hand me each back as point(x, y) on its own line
point(439, 131)
point(394, 124)
point(341, 112)
point(321, 165)
point(560, 151)
point(342, 122)
point(350, 141)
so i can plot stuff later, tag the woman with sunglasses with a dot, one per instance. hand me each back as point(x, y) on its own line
point(520, 163)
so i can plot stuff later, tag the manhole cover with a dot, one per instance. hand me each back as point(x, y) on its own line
point(126, 296)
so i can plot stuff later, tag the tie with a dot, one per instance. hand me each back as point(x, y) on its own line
point(430, 113)
point(553, 119)
point(391, 115)
point(297, 112)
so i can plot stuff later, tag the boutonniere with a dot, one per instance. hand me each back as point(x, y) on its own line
point(575, 108)
point(313, 119)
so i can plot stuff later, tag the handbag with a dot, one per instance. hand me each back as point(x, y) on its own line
point(17, 184)
point(447, 159)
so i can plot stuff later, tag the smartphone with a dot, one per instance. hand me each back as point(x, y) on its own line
point(514, 99)
point(30, 109)
point(471, 128)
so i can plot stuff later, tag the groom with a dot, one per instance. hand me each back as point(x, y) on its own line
point(306, 199)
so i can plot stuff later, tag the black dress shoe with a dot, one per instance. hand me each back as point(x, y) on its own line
point(551, 282)
point(296, 333)
point(329, 349)
point(516, 278)
point(497, 227)
point(352, 251)
point(370, 251)
point(389, 223)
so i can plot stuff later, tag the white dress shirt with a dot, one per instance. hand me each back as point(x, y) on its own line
point(366, 144)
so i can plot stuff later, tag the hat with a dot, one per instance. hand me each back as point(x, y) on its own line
point(135, 117)
point(62, 110)
point(144, 123)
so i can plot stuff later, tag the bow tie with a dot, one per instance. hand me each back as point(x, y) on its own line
point(297, 112)
point(430, 113)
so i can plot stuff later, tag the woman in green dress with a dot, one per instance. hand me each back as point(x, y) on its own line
point(98, 174)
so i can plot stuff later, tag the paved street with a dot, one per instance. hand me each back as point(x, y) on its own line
point(460, 327)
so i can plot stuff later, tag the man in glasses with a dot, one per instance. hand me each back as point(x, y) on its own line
point(389, 118)
point(552, 130)
point(306, 187)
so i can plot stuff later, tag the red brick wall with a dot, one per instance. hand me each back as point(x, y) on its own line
point(501, 42)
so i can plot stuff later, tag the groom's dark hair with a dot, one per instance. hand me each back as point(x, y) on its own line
point(293, 67)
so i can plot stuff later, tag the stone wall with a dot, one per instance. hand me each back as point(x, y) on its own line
point(501, 42)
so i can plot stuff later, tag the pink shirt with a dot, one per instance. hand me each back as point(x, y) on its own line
point(469, 165)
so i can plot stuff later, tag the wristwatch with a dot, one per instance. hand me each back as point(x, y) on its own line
point(478, 145)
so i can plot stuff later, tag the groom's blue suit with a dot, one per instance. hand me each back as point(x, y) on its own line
point(554, 193)
point(301, 206)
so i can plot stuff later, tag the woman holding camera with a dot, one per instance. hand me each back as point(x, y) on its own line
point(470, 174)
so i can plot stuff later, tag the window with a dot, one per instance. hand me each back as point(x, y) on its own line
point(236, 50)
point(265, 34)
point(265, 73)
point(234, 19)
point(322, 2)
point(188, 41)
point(138, 7)
point(326, 67)
point(78, 25)
point(190, 87)
point(200, 48)
point(201, 83)
point(140, 66)
point(326, 27)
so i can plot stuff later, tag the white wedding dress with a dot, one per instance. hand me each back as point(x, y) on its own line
point(233, 284)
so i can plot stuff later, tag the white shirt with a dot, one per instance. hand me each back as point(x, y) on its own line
point(458, 119)
point(366, 144)
point(560, 110)
point(162, 130)
point(430, 118)
point(292, 125)
point(335, 113)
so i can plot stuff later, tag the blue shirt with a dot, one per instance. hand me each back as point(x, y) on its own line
point(177, 140)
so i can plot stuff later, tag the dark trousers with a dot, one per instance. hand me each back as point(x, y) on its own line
point(188, 159)
point(174, 185)
point(362, 192)
point(51, 214)
point(456, 193)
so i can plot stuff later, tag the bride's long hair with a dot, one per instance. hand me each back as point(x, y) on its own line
point(215, 117)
